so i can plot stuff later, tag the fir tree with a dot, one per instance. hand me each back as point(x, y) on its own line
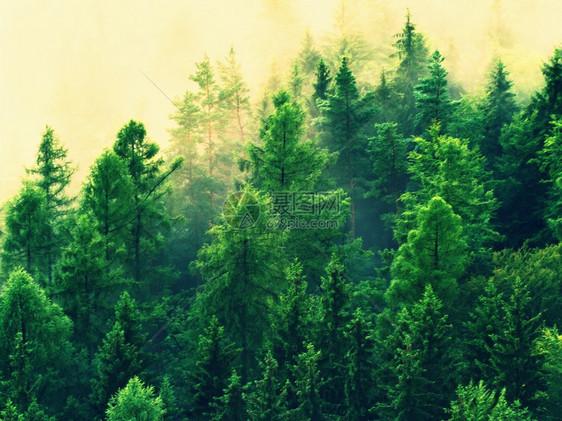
point(433, 103)
point(135, 401)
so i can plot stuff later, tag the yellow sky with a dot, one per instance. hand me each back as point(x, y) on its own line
point(78, 65)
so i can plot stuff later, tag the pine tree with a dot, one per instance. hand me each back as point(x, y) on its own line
point(25, 231)
point(285, 161)
point(550, 159)
point(413, 55)
point(119, 358)
point(37, 353)
point(549, 346)
point(387, 151)
point(347, 115)
point(107, 197)
point(242, 267)
point(230, 405)
point(53, 172)
point(477, 402)
point(268, 399)
point(294, 321)
point(83, 284)
point(433, 103)
point(323, 81)
point(135, 401)
point(360, 377)
point(434, 253)
point(499, 108)
point(215, 359)
point(212, 117)
point(307, 386)
point(485, 324)
point(515, 364)
point(147, 216)
point(169, 400)
point(234, 97)
point(423, 366)
point(335, 315)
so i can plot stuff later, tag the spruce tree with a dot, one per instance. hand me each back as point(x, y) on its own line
point(215, 359)
point(423, 366)
point(433, 103)
point(25, 232)
point(53, 173)
point(413, 56)
point(347, 117)
point(230, 406)
point(434, 253)
point(135, 401)
point(360, 371)
point(242, 267)
point(147, 216)
point(307, 386)
point(499, 107)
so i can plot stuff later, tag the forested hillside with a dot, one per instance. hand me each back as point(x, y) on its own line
point(336, 247)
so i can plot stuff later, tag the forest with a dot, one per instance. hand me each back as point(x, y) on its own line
point(342, 248)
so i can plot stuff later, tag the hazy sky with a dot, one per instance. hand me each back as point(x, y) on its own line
point(78, 65)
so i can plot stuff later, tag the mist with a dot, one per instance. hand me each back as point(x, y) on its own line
point(84, 67)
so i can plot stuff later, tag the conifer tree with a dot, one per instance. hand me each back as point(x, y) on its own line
point(433, 103)
point(25, 231)
point(335, 315)
point(285, 161)
point(135, 401)
point(215, 359)
point(387, 150)
point(242, 267)
point(413, 55)
point(268, 399)
point(499, 108)
point(422, 365)
point(323, 81)
point(434, 253)
point(147, 216)
point(37, 353)
point(234, 97)
point(476, 402)
point(53, 173)
point(347, 116)
point(230, 406)
point(307, 386)
point(119, 358)
point(360, 377)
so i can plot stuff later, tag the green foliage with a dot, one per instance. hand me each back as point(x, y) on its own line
point(477, 403)
point(435, 254)
point(285, 161)
point(307, 386)
point(268, 400)
point(413, 55)
point(119, 358)
point(243, 273)
point(360, 377)
point(215, 358)
point(37, 350)
point(147, 217)
point(550, 159)
point(230, 405)
point(549, 345)
point(53, 173)
point(433, 103)
point(25, 231)
point(422, 365)
point(135, 401)
point(387, 150)
point(498, 108)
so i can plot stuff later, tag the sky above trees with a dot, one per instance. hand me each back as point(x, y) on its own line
point(79, 66)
